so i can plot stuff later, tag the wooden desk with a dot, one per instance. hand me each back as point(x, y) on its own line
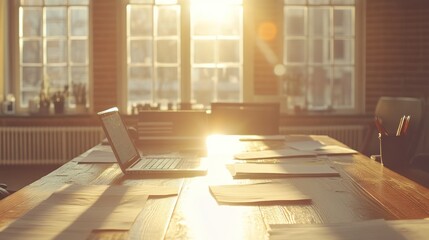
point(366, 190)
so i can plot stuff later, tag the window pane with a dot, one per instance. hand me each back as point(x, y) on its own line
point(230, 21)
point(31, 22)
point(79, 74)
point(295, 51)
point(79, 21)
point(343, 51)
point(318, 2)
point(343, 87)
point(168, 17)
point(320, 51)
point(167, 84)
point(343, 22)
point(140, 84)
point(203, 21)
point(31, 51)
point(204, 51)
point(343, 2)
point(79, 51)
point(203, 80)
point(167, 51)
point(296, 2)
point(55, 2)
point(56, 51)
point(141, 51)
point(319, 21)
point(57, 77)
point(295, 22)
point(26, 96)
point(229, 51)
point(31, 2)
point(228, 86)
point(79, 2)
point(56, 23)
point(140, 20)
point(319, 88)
point(31, 78)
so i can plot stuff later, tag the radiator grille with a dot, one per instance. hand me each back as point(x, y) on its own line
point(351, 135)
point(45, 145)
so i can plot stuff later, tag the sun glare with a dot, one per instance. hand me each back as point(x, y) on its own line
point(212, 10)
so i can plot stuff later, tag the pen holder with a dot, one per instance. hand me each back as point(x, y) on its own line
point(393, 151)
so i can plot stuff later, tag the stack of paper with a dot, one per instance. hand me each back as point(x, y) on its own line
point(281, 170)
point(269, 192)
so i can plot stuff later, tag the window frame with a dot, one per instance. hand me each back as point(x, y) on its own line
point(15, 75)
point(359, 57)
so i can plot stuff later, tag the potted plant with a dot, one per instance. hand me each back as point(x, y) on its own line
point(79, 94)
point(59, 99)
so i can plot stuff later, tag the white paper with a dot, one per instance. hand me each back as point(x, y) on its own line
point(99, 156)
point(285, 170)
point(262, 138)
point(74, 211)
point(258, 193)
point(320, 148)
point(306, 145)
point(280, 153)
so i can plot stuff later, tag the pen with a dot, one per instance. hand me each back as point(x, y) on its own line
point(406, 125)
point(380, 127)
point(400, 126)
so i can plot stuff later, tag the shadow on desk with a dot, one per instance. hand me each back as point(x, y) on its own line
point(19, 176)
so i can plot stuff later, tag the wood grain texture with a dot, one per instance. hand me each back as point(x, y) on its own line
point(365, 190)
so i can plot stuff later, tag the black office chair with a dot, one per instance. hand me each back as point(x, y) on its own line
point(390, 110)
point(245, 118)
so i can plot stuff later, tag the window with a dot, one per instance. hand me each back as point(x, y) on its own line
point(319, 53)
point(172, 58)
point(53, 47)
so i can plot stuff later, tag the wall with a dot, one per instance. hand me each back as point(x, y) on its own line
point(397, 49)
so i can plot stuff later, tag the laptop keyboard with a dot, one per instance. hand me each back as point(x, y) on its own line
point(161, 163)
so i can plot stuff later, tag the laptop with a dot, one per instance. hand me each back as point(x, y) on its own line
point(133, 164)
point(181, 126)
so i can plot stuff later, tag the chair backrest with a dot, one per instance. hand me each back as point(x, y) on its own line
point(391, 109)
point(245, 118)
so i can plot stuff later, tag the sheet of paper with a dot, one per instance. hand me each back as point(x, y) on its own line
point(99, 156)
point(320, 148)
point(258, 193)
point(371, 229)
point(281, 170)
point(311, 145)
point(280, 153)
point(262, 138)
point(75, 210)
point(334, 150)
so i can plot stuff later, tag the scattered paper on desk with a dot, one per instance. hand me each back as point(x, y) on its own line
point(320, 148)
point(281, 170)
point(74, 211)
point(280, 153)
point(98, 156)
point(371, 229)
point(306, 145)
point(258, 193)
point(262, 138)
point(334, 150)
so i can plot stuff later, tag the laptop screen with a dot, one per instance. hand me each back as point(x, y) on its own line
point(119, 139)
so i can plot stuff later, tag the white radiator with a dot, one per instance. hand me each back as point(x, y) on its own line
point(351, 135)
point(45, 145)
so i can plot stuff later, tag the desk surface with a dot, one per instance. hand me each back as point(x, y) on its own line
point(366, 190)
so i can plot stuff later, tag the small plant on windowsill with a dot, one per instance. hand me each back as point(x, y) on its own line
point(295, 92)
point(79, 94)
point(59, 100)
